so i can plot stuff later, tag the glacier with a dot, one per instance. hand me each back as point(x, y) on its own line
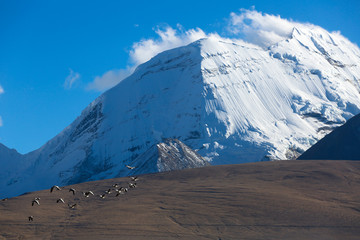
point(229, 100)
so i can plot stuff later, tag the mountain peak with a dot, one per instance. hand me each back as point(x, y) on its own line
point(229, 100)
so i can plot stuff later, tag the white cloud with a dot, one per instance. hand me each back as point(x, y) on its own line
point(144, 50)
point(260, 29)
point(109, 79)
point(249, 25)
point(169, 38)
point(71, 79)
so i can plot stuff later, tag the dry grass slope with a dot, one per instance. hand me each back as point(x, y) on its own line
point(267, 200)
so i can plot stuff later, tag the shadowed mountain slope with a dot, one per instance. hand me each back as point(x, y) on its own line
point(341, 144)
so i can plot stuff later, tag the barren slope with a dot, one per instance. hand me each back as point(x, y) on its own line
point(266, 200)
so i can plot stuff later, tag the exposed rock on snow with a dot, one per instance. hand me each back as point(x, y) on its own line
point(169, 155)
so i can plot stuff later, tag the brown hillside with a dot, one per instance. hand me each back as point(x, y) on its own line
point(267, 200)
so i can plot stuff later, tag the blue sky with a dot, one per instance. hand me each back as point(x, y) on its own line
point(52, 51)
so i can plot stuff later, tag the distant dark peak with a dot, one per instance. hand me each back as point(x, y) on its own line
point(5, 149)
point(341, 144)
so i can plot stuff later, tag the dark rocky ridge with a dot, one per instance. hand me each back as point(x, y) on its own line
point(341, 144)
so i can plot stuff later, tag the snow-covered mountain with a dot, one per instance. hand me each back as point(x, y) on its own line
point(341, 144)
point(229, 100)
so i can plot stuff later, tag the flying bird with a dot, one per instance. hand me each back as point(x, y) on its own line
point(134, 179)
point(87, 194)
point(122, 190)
point(55, 187)
point(130, 167)
point(72, 190)
point(60, 200)
point(72, 206)
point(36, 200)
point(31, 218)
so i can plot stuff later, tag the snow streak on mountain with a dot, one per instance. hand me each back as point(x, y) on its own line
point(229, 100)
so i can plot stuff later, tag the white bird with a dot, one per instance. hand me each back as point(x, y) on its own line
point(115, 185)
point(55, 187)
point(132, 185)
point(108, 191)
point(60, 200)
point(130, 167)
point(102, 196)
point(31, 218)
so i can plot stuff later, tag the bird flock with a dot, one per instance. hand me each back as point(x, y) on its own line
point(115, 188)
